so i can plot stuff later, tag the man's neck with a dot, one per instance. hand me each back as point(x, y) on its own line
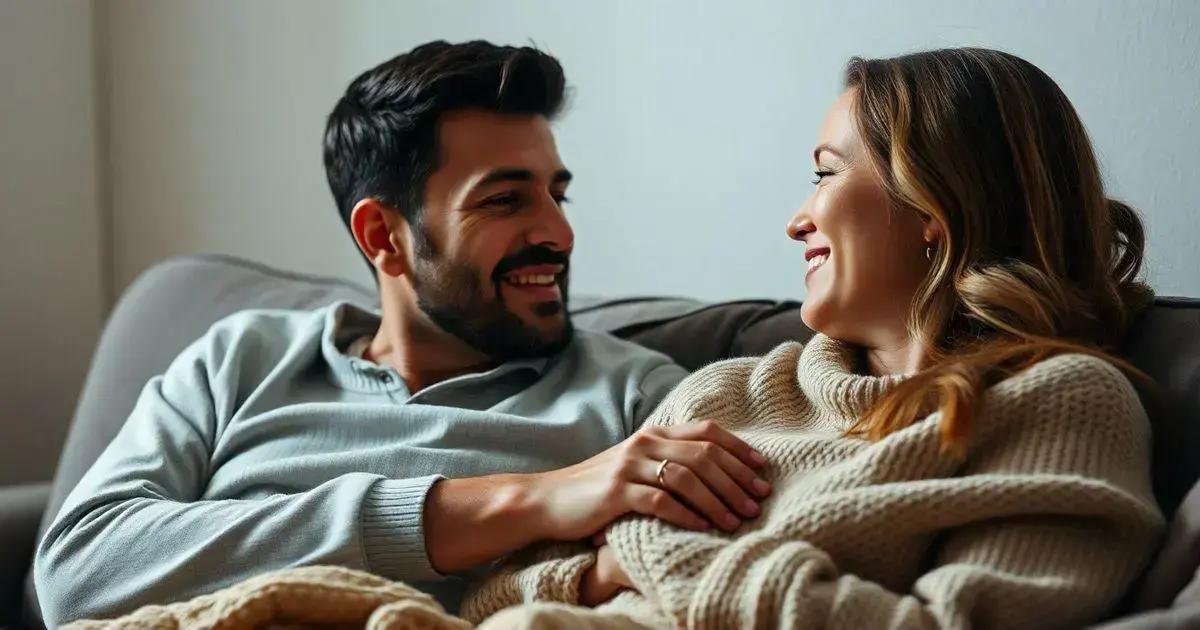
point(419, 350)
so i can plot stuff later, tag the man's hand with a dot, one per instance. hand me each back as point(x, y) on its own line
point(710, 479)
point(603, 580)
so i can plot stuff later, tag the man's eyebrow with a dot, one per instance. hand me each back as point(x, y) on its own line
point(520, 175)
point(506, 175)
point(825, 147)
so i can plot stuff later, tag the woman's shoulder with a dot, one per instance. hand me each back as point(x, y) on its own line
point(1070, 389)
point(1074, 373)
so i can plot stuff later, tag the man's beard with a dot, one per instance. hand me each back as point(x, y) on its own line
point(453, 296)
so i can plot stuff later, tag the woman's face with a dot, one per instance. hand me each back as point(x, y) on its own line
point(865, 259)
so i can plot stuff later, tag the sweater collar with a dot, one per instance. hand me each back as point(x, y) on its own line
point(827, 375)
point(346, 322)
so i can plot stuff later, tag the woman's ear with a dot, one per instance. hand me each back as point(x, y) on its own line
point(373, 225)
point(932, 232)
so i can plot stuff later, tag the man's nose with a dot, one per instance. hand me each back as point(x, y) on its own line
point(551, 228)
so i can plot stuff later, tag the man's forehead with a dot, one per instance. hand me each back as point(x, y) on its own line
point(476, 141)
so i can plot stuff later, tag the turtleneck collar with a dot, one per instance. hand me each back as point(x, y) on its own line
point(828, 377)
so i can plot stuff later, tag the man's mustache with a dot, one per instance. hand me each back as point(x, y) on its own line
point(536, 255)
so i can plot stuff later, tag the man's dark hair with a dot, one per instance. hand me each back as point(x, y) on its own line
point(381, 138)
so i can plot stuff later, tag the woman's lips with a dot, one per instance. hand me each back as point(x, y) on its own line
point(816, 257)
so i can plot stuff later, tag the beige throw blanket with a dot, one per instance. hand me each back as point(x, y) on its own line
point(308, 597)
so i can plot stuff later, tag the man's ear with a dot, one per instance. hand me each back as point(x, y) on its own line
point(374, 226)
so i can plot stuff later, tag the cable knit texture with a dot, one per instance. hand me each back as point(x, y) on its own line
point(306, 597)
point(1042, 523)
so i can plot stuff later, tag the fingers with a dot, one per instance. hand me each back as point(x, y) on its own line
point(656, 502)
point(710, 470)
point(709, 431)
point(682, 481)
point(729, 477)
point(724, 474)
point(747, 480)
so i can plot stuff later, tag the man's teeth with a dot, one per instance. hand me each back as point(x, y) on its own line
point(537, 279)
point(817, 261)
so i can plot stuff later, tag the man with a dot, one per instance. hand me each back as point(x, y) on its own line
point(413, 443)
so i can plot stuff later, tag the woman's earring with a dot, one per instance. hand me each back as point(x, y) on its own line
point(929, 252)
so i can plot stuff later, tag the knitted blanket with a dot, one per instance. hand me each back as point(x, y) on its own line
point(307, 597)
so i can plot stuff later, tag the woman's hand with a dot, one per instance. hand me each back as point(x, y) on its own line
point(604, 580)
point(710, 479)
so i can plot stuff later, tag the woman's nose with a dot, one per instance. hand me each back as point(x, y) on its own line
point(800, 225)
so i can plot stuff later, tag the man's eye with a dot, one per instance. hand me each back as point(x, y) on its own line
point(508, 199)
point(561, 199)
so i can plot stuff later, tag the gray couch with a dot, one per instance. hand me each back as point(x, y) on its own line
point(176, 301)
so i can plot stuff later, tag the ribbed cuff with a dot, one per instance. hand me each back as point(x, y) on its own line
point(393, 529)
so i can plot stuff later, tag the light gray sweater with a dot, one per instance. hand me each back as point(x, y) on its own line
point(265, 446)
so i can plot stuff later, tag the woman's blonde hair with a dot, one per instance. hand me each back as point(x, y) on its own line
point(1034, 259)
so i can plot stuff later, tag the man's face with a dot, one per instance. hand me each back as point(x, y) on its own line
point(493, 248)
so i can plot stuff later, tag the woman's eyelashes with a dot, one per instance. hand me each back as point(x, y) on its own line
point(821, 175)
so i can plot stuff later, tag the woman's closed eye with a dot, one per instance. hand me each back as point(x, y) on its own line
point(821, 175)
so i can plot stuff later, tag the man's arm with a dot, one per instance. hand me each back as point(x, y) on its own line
point(476, 520)
point(711, 478)
point(652, 390)
point(135, 530)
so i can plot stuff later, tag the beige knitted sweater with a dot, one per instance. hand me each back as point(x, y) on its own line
point(1043, 523)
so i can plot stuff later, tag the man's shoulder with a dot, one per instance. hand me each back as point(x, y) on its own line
point(283, 323)
point(264, 332)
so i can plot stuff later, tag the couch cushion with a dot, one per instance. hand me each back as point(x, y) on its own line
point(1171, 580)
point(1165, 344)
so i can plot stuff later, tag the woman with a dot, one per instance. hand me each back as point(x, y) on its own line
point(956, 447)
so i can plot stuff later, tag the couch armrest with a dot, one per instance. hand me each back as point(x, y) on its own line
point(21, 510)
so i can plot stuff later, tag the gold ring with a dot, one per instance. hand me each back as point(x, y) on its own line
point(661, 469)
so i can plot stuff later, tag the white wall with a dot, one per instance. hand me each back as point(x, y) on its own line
point(52, 283)
point(689, 133)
